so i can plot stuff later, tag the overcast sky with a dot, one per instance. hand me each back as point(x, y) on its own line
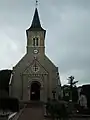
point(67, 40)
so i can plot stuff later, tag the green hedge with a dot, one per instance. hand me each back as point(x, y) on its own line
point(56, 109)
point(11, 104)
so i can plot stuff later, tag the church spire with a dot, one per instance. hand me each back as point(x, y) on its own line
point(36, 34)
point(36, 25)
point(36, 20)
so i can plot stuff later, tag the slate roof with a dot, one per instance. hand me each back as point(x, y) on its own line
point(36, 25)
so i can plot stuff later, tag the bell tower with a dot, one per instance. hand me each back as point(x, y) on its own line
point(36, 36)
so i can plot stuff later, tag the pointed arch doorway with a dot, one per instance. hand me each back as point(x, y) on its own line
point(35, 91)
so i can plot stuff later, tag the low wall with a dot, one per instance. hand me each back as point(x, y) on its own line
point(72, 117)
point(79, 117)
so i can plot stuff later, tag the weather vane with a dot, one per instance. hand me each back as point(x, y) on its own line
point(36, 3)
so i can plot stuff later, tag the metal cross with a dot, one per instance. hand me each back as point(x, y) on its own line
point(36, 3)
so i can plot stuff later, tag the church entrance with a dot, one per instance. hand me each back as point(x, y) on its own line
point(35, 91)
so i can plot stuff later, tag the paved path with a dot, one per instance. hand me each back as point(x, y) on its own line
point(32, 113)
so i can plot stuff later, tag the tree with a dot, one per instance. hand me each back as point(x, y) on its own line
point(72, 84)
point(7, 102)
point(4, 79)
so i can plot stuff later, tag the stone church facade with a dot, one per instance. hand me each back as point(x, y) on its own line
point(35, 76)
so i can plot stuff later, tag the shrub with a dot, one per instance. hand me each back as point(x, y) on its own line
point(57, 109)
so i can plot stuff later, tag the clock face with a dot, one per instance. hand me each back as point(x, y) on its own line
point(35, 51)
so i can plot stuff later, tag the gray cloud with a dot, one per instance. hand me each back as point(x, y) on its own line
point(67, 39)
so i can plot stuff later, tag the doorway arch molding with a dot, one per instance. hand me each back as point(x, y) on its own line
point(38, 80)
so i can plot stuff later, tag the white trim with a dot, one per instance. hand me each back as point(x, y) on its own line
point(10, 79)
point(10, 116)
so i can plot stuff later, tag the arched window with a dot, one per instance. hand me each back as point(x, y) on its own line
point(35, 41)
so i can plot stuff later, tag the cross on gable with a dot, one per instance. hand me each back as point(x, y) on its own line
point(35, 67)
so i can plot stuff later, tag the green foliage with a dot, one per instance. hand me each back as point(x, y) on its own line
point(4, 79)
point(72, 84)
point(71, 81)
point(8, 103)
point(57, 109)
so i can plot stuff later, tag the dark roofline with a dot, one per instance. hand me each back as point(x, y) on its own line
point(36, 25)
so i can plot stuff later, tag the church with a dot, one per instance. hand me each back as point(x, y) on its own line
point(35, 76)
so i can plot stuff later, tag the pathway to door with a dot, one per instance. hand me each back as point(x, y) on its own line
point(32, 112)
